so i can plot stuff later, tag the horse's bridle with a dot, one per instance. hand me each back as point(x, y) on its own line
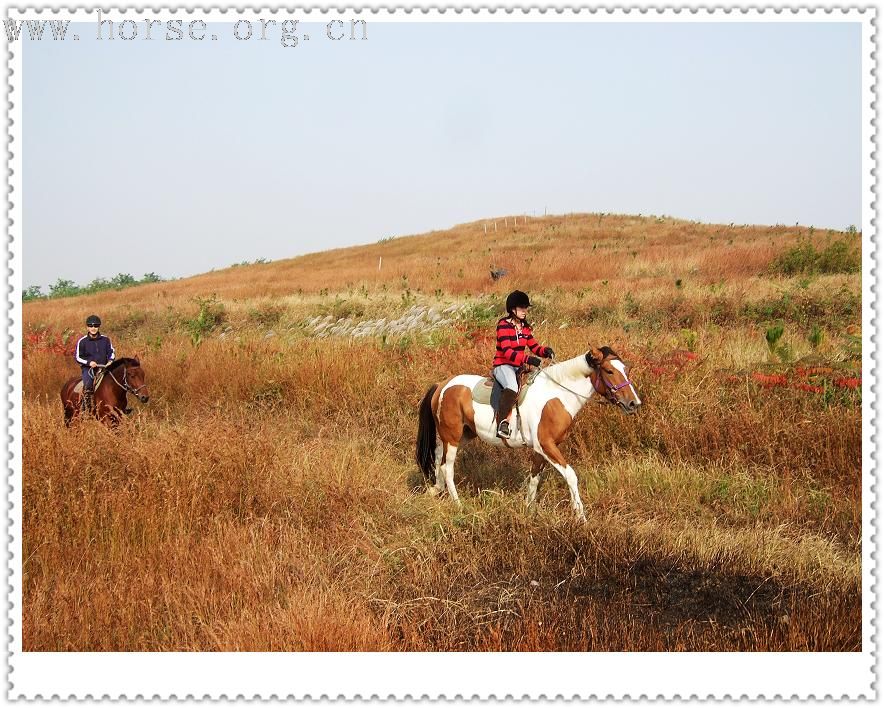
point(610, 390)
point(125, 384)
point(608, 394)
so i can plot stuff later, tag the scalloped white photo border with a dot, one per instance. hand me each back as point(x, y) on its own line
point(450, 675)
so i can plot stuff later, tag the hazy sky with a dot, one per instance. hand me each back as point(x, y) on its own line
point(180, 157)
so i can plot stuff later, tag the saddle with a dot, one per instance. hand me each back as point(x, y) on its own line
point(488, 390)
point(96, 382)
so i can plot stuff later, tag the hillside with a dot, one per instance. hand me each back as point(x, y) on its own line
point(586, 262)
point(267, 498)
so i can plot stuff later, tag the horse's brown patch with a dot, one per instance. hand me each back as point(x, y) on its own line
point(554, 424)
point(455, 414)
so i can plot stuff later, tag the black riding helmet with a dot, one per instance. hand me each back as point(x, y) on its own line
point(93, 321)
point(517, 299)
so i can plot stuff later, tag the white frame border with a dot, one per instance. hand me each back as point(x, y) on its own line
point(516, 675)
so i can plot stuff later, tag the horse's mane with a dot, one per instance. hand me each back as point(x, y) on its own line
point(567, 366)
point(127, 360)
point(570, 365)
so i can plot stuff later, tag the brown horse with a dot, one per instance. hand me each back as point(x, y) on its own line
point(121, 377)
point(449, 417)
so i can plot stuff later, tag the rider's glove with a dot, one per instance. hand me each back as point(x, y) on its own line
point(550, 354)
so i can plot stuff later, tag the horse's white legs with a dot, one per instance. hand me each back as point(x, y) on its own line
point(534, 480)
point(533, 484)
point(570, 477)
point(450, 454)
point(440, 478)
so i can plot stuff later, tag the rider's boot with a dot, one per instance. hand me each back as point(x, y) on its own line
point(88, 403)
point(504, 408)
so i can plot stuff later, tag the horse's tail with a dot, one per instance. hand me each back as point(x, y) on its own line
point(426, 437)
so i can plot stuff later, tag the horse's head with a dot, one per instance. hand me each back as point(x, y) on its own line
point(610, 377)
point(133, 378)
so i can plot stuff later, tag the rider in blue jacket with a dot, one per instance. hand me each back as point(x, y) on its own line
point(93, 350)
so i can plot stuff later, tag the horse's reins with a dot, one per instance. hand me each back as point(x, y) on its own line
point(560, 384)
point(612, 389)
point(125, 385)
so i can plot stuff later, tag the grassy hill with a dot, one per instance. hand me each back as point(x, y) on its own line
point(588, 267)
point(265, 498)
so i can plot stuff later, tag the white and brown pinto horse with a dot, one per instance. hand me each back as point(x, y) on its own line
point(450, 417)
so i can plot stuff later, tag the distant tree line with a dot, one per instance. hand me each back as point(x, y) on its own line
point(68, 288)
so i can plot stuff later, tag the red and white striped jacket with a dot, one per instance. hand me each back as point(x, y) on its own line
point(511, 344)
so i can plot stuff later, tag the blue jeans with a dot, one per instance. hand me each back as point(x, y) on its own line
point(87, 378)
point(506, 376)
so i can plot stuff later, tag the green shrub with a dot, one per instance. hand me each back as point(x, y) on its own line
point(781, 351)
point(839, 256)
point(773, 335)
point(34, 292)
point(68, 288)
point(211, 314)
point(853, 345)
point(63, 288)
point(481, 314)
point(267, 314)
point(807, 309)
point(630, 305)
point(342, 308)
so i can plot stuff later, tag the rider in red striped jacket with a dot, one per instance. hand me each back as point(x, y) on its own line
point(513, 335)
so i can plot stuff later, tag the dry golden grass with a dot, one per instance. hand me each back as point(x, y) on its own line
point(265, 498)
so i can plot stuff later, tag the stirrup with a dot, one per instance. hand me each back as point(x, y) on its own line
point(503, 430)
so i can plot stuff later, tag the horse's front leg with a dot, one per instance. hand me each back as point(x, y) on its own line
point(554, 424)
point(552, 453)
point(108, 414)
point(538, 462)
